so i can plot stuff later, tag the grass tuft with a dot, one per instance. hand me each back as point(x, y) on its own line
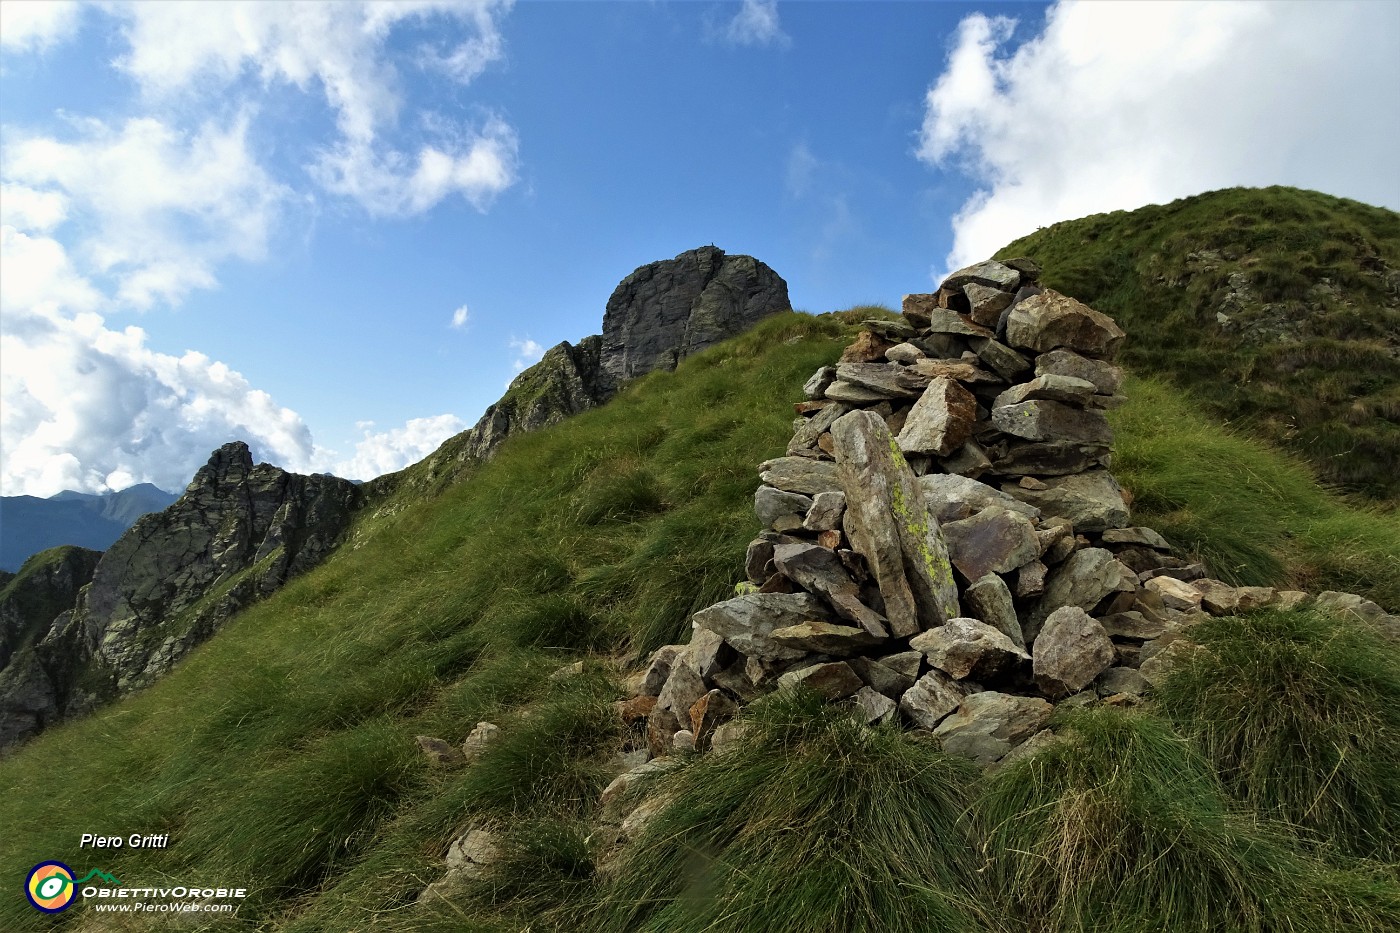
point(1300, 714)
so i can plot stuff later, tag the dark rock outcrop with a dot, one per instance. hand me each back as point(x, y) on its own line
point(666, 311)
point(657, 316)
point(237, 534)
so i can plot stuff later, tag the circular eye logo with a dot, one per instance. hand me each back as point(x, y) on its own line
point(49, 887)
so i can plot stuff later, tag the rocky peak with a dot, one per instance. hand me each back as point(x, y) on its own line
point(665, 311)
point(657, 316)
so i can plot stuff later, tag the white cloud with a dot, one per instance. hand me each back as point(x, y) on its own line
point(1115, 105)
point(460, 317)
point(158, 208)
point(91, 408)
point(756, 23)
point(25, 208)
point(395, 449)
point(339, 49)
point(801, 169)
point(528, 353)
point(32, 25)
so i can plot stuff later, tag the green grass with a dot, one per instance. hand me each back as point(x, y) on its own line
point(1122, 826)
point(280, 755)
point(814, 824)
point(1256, 517)
point(1300, 714)
point(1309, 366)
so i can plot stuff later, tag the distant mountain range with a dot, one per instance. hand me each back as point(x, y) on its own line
point(29, 524)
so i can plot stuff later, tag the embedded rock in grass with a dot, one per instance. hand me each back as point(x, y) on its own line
point(1050, 321)
point(617, 790)
point(826, 638)
point(1106, 377)
point(988, 725)
point(800, 475)
point(995, 540)
point(774, 506)
point(1082, 581)
point(874, 707)
point(479, 739)
point(964, 648)
point(1222, 599)
point(952, 496)
point(892, 527)
point(932, 697)
point(439, 753)
point(1093, 501)
point(826, 512)
point(887, 380)
point(989, 273)
point(989, 599)
point(1052, 421)
point(1070, 652)
point(940, 421)
point(854, 395)
point(1144, 537)
point(833, 680)
point(660, 669)
point(1175, 594)
point(1122, 680)
point(747, 622)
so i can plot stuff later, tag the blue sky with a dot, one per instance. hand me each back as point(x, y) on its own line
point(337, 231)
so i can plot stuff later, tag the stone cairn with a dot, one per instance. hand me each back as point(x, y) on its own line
point(944, 543)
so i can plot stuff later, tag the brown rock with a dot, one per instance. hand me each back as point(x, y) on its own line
point(987, 303)
point(833, 680)
point(867, 348)
point(932, 698)
point(994, 540)
point(964, 648)
point(1050, 320)
point(940, 421)
point(439, 753)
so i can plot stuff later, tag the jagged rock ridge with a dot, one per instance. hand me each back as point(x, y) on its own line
point(238, 533)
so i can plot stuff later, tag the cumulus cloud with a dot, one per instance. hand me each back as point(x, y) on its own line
point(1112, 106)
point(339, 50)
point(388, 451)
point(756, 23)
point(157, 208)
point(92, 409)
point(460, 317)
point(528, 353)
point(34, 26)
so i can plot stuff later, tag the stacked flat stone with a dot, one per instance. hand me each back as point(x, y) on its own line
point(944, 543)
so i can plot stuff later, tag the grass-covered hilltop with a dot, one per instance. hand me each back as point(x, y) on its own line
point(509, 608)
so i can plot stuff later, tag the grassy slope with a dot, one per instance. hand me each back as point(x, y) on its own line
point(280, 755)
point(1311, 358)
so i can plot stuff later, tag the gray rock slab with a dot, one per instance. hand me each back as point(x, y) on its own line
point(949, 494)
point(826, 638)
point(1106, 377)
point(1093, 501)
point(1082, 581)
point(1052, 421)
point(828, 508)
point(964, 648)
point(800, 475)
point(890, 380)
point(833, 680)
point(1070, 652)
point(1050, 387)
point(746, 622)
point(771, 504)
point(932, 698)
point(989, 273)
point(994, 540)
point(889, 523)
point(989, 599)
point(988, 725)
